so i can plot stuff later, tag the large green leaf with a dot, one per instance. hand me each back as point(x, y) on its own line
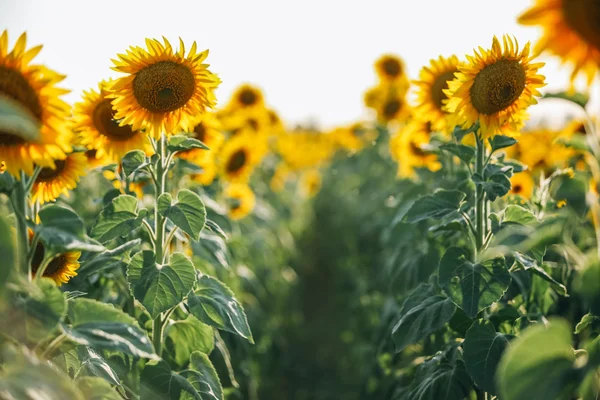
point(214, 304)
point(422, 313)
point(82, 311)
point(61, 230)
point(93, 363)
point(94, 388)
point(160, 287)
point(495, 180)
point(188, 213)
point(472, 287)
point(498, 142)
point(465, 153)
point(483, 347)
point(187, 336)
point(133, 161)
point(203, 377)
point(182, 143)
point(437, 205)
point(539, 364)
point(159, 382)
point(118, 219)
point(117, 336)
point(441, 379)
point(528, 263)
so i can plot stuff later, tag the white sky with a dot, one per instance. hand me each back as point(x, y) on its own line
point(313, 58)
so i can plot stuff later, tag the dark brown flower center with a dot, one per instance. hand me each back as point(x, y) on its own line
point(164, 86)
point(104, 121)
point(391, 108)
point(391, 67)
point(517, 188)
point(236, 161)
point(200, 132)
point(583, 16)
point(417, 150)
point(248, 97)
point(91, 154)
point(53, 267)
point(235, 203)
point(497, 86)
point(437, 89)
point(253, 123)
point(14, 86)
point(48, 174)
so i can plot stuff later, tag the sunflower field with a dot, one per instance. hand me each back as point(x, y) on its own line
point(156, 243)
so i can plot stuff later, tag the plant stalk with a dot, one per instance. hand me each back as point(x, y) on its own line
point(20, 208)
point(480, 210)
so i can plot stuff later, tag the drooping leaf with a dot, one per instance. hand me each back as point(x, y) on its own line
point(214, 304)
point(465, 153)
point(519, 214)
point(203, 377)
point(160, 287)
point(94, 388)
point(495, 180)
point(483, 347)
point(92, 362)
point(460, 132)
point(498, 142)
point(133, 161)
point(215, 228)
point(580, 99)
point(441, 379)
point(586, 321)
point(187, 336)
point(472, 287)
point(118, 219)
point(541, 354)
point(529, 263)
point(17, 121)
point(188, 213)
point(422, 313)
point(182, 143)
point(437, 205)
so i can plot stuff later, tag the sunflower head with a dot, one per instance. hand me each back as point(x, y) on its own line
point(247, 97)
point(570, 31)
point(431, 99)
point(409, 148)
point(279, 178)
point(393, 108)
point(239, 156)
point(163, 91)
point(310, 182)
point(390, 68)
point(61, 268)
point(522, 184)
point(207, 162)
point(495, 88)
point(240, 200)
point(208, 130)
point(52, 182)
point(32, 88)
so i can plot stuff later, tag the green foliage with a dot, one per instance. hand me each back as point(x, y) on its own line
point(439, 205)
point(118, 219)
point(188, 213)
point(182, 143)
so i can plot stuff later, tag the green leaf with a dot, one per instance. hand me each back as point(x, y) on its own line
point(61, 230)
point(580, 99)
point(528, 263)
point(96, 365)
point(118, 219)
point(518, 214)
point(160, 287)
point(187, 336)
point(97, 389)
point(483, 347)
point(587, 320)
point(460, 132)
point(117, 336)
point(441, 379)
point(188, 213)
point(7, 249)
point(498, 142)
point(83, 311)
point(538, 365)
point(7, 183)
point(203, 377)
point(215, 228)
point(182, 143)
point(495, 181)
point(571, 189)
point(132, 161)
point(16, 120)
point(437, 205)
point(472, 287)
point(422, 313)
point(465, 153)
point(214, 304)
point(159, 382)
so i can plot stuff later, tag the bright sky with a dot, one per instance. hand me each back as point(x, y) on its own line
point(312, 58)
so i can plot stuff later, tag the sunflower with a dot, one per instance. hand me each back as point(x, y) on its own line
point(33, 88)
point(431, 99)
point(94, 120)
point(310, 182)
point(353, 137)
point(522, 184)
point(495, 87)
point(163, 91)
point(60, 269)
point(276, 126)
point(51, 183)
point(240, 199)
point(209, 169)
point(238, 157)
point(390, 68)
point(94, 160)
point(208, 131)
point(408, 147)
point(247, 97)
point(571, 31)
point(542, 150)
point(393, 108)
point(279, 178)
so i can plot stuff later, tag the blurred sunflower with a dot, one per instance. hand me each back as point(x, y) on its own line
point(495, 87)
point(542, 150)
point(94, 120)
point(240, 200)
point(279, 178)
point(373, 96)
point(32, 87)
point(51, 183)
point(247, 97)
point(393, 108)
point(522, 184)
point(209, 169)
point(571, 31)
point(276, 126)
point(61, 268)
point(239, 155)
point(389, 68)
point(431, 99)
point(310, 182)
point(353, 137)
point(163, 91)
point(208, 131)
point(408, 148)
point(94, 160)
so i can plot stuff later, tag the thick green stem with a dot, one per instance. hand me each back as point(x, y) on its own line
point(480, 196)
point(157, 330)
point(20, 208)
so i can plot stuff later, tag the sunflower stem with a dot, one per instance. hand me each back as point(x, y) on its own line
point(19, 203)
point(480, 208)
point(40, 272)
point(157, 330)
